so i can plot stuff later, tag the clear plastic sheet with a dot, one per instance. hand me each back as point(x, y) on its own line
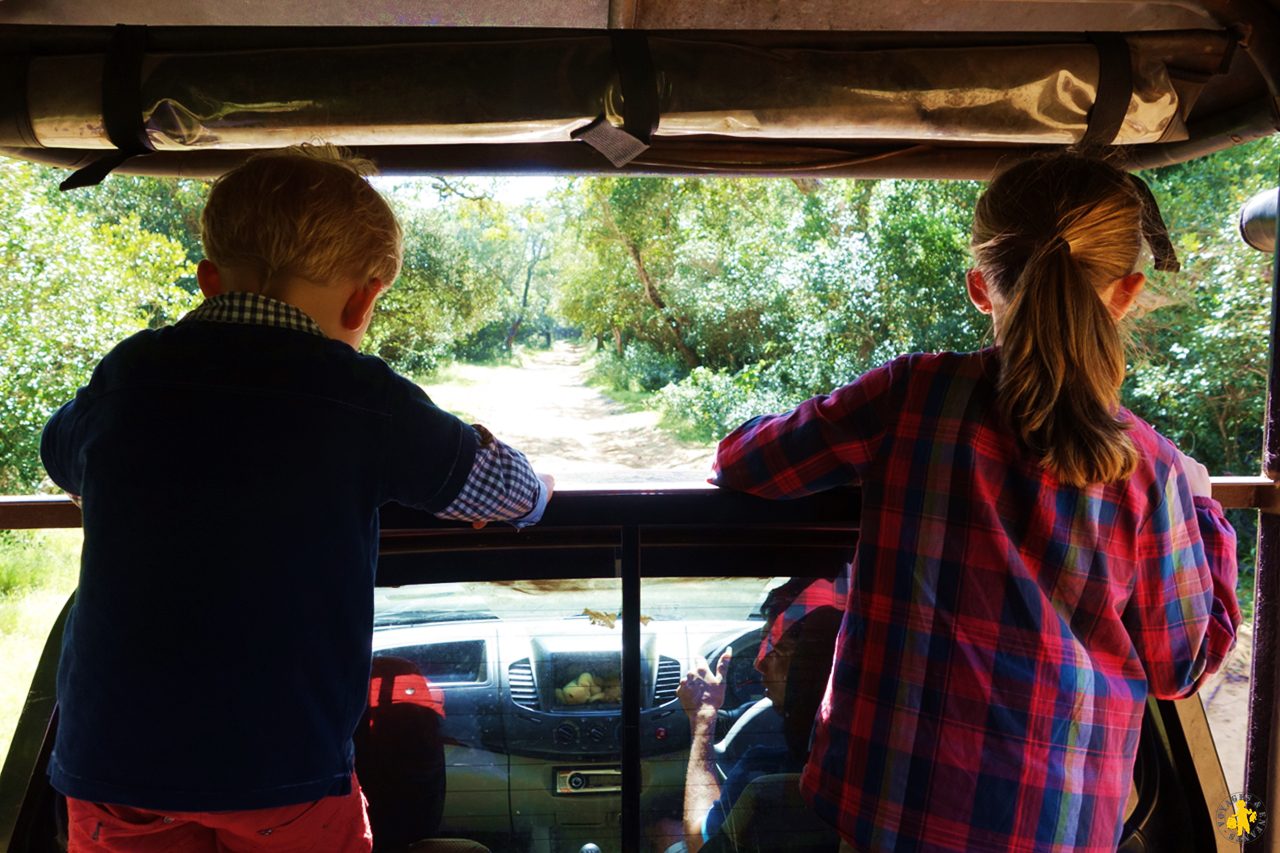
point(542, 90)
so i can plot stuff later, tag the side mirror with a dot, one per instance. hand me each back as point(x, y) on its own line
point(1258, 220)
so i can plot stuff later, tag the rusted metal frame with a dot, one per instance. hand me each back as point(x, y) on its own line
point(1260, 493)
point(1263, 737)
point(628, 569)
point(34, 512)
point(31, 512)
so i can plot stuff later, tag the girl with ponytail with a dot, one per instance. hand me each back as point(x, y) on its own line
point(1033, 561)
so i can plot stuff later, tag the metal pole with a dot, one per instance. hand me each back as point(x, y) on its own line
point(633, 690)
point(1266, 596)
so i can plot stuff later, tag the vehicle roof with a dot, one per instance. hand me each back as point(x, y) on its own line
point(823, 87)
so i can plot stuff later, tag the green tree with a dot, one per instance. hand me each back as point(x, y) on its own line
point(441, 297)
point(169, 207)
point(70, 288)
point(1199, 371)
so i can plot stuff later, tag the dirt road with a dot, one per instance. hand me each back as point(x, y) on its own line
point(586, 440)
point(567, 428)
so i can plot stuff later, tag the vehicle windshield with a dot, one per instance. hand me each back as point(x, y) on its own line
point(594, 600)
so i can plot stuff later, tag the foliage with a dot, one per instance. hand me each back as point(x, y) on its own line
point(726, 298)
point(441, 296)
point(71, 286)
point(158, 205)
point(38, 570)
point(1199, 373)
point(493, 260)
point(753, 295)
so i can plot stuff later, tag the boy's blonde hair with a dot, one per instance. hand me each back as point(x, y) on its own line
point(305, 211)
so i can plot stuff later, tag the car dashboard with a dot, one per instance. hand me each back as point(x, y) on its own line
point(532, 713)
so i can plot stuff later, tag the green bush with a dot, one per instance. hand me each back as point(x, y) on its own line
point(708, 405)
point(641, 367)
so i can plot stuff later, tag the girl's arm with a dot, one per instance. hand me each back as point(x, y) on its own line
point(823, 443)
point(1183, 614)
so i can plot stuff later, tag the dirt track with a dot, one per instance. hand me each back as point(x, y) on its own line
point(566, 428)
point(574, 432)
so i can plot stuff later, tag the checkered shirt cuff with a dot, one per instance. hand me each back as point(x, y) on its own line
point(502, 486)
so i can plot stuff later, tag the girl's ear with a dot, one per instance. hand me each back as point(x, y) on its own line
point(1123, 292)
point(979, 293)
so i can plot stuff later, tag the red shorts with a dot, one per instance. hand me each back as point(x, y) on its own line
point(330, 825)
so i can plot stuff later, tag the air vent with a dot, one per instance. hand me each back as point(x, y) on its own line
point(523, 690)
point(668, 680)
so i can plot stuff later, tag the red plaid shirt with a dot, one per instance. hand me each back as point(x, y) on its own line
point(1002, 630)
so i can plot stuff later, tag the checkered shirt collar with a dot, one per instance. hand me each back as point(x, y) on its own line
point(256, 309)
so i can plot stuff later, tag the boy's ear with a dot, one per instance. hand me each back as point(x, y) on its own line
point(979, 293)
point(355, 313)
point(209, 278)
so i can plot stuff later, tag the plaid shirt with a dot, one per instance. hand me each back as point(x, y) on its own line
point(1002, 630)
point(502, 485)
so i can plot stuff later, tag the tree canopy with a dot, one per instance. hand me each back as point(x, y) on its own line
point(726, 297)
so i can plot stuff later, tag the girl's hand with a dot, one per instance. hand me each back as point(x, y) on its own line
point(1197, 477)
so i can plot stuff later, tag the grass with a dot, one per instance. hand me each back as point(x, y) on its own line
point(445, 374)
point(632, 401)
point(38, 570)
point(686, 431)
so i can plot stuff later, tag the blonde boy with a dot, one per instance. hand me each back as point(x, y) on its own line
point(231, 467)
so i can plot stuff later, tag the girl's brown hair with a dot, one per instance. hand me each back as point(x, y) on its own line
point(1048, 235)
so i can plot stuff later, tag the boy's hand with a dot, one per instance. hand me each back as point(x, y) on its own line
point(486, 437)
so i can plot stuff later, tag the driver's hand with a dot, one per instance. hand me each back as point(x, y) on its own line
point(701, 693)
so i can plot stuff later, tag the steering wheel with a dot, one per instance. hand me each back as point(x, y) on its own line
point(744, 684)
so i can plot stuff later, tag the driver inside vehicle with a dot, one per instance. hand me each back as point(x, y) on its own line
point(794, 660)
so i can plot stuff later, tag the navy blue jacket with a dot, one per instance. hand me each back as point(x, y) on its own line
point(217, 656)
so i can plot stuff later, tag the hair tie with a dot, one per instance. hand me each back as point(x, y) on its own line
point(1056, 242)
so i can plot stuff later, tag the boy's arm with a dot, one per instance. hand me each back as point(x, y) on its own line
point(502, 486)
point(57, 452)
point(437, 463)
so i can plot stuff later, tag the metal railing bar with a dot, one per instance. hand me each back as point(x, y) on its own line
point(597, 510)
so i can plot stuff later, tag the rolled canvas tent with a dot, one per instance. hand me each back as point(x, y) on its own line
point(944, 89)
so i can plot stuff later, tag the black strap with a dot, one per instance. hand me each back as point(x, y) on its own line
point(121, 106)
point(638, 85)
point(1115, 89)
point(1164, 257)
point(638, 82)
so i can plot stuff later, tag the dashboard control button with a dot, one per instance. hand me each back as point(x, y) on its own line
point(565, 734)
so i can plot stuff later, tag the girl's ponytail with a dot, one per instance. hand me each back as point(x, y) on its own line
point(1048, 235)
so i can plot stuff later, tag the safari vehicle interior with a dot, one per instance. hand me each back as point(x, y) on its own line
point(557, 720)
